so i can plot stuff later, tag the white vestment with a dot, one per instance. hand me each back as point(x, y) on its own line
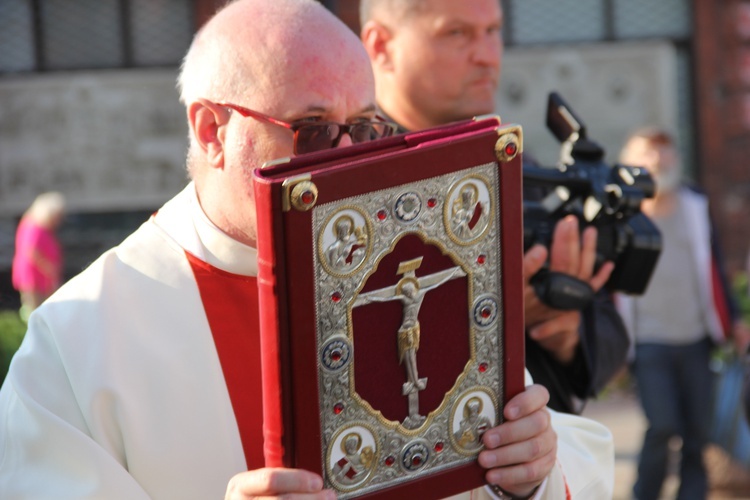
point(117, 390)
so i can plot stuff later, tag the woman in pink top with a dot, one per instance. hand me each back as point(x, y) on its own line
point(37, 263)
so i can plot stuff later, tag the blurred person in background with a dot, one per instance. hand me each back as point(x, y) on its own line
point(438, 61)
point(686, 309)
point(38, 260)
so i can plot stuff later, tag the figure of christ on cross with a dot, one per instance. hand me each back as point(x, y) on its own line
point(410, 290)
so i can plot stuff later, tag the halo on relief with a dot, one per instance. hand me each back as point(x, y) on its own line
point(473, 402)
point(404, 281)
point(352, 456)
point(344, 241)
point(468, 190)
point(468, 211)
point(473, 413)
point(351, 436)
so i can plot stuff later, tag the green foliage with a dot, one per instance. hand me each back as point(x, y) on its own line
point(740, 286)
point(12, 330)
point(727, 353)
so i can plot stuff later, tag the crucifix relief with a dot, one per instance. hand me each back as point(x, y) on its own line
point(410, 290)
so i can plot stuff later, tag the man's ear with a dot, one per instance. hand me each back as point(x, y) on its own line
point(207, 121)
point(375, 37)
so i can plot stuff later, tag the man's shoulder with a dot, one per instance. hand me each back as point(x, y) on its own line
point(146, 251)
point(692, 189)
point(693, 197)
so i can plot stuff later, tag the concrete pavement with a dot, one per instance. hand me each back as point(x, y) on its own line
point(620, 410)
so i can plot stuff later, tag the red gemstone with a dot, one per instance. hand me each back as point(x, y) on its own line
point(439, 446)
point(382, 214)
point(307, 197)
point(336, 355)
point(390, 461)
point(338, 408)
point(511, 148)
point(486, 312)
point(432, 202)
point(481, 259)
point(482, 367)
point(416, 460)
point(336, 296)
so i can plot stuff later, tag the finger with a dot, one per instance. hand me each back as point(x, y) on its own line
point(588, 253)
point(527, 450)
point(533, 260)
point(322, 495)
point(601, 276)
point(559, 336)
point(533, 398)
point(566, 247)
point(516, 431)
point(522, 477)
point(272, 481)
point(535, 311)
point(562, 325)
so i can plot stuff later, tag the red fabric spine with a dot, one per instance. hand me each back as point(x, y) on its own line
point(511, 187)
point(273, 430)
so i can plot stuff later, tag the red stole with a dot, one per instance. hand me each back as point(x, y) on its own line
point(231, 305)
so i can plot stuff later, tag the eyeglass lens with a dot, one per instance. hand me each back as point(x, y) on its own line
point(320, 136)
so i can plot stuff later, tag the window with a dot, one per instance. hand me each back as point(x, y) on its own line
point(547, 21)
point(49, 35)
point(646, 18)
point(16, 36)
point(562, 21)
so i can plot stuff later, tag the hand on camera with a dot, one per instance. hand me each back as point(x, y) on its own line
point(557, 330)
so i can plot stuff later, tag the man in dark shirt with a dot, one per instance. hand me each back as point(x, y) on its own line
point(438, 61)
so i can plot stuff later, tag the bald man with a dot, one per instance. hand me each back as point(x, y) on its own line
point(438, 61)
point(135, 382)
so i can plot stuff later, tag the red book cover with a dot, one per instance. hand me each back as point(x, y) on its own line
point(390, 283)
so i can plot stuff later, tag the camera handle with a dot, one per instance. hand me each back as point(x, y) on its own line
point(561, 291)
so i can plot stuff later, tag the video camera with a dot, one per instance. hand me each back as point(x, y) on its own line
point(608, 198)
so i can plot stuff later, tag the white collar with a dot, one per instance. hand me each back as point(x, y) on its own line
point(199, 236)
point(221, 250)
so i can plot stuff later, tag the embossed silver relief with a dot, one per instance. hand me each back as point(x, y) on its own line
point(473, 414)
point(410, 290)
point(344, 241)
point(352, 456)
point(336, 295)
point(415, 456)
point(467, 212)
point(408, 206)
point(485, 311)
point(336, 354)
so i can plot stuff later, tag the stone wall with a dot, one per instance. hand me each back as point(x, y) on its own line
point(612, 87)
point(113, 142)
point(109, 141)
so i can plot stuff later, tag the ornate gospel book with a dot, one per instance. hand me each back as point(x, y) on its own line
point(390, 281)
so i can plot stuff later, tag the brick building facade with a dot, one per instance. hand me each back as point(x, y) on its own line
point(721, 48)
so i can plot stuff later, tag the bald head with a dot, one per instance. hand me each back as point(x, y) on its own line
point(291, 60)
point(252, 48)
point(252, 43)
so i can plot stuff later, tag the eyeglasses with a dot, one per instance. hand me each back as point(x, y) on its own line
point(319, 136)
